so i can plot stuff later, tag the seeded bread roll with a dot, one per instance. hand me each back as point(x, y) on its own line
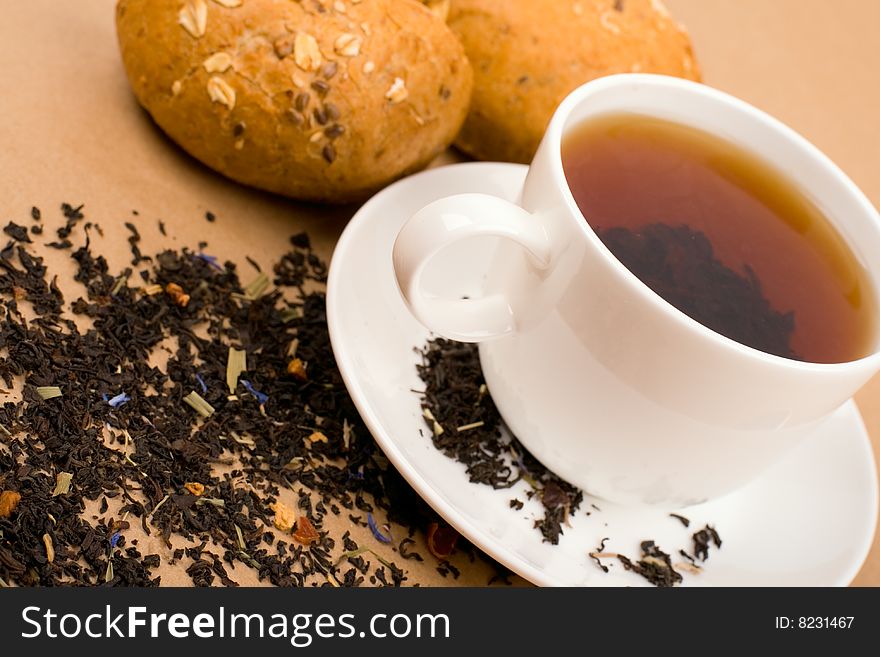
point(317, 100)
point(528, 55)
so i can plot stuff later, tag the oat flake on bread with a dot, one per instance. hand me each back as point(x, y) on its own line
point(325, 101)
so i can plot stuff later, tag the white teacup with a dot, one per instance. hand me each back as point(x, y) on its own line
point(607, 384)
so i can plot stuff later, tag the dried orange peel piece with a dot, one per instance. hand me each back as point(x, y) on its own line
point(441, 540)
point(305, 532)
point(285, 517)
point(9, 499)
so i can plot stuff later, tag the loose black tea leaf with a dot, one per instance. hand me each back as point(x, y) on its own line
point(253, 263)
point(82, 461)
point(72, 215)
point(690, 559)
point(136, 256)
point(455, 395)
point(680, 265)
point(405, 552)
point(445, 568)
point(60, 245)
point(465, 425)
point(553, 496)
point(597, 554)
point(684, 521)
point(595, 557)
point(708, 225)
point(655, 566)
point(301, 241)
point(702, 539)
point(17, 232)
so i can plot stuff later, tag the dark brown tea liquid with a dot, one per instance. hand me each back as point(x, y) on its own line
point(721, 235)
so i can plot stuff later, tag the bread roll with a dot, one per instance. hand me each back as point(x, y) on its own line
point(316, 99)
point(528, 55)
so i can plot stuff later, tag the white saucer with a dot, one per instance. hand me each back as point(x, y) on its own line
point(808, 521)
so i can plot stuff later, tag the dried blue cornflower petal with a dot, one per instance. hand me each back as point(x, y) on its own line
point(375, 529)
point(261, 397)
point(211, 260)
point(118, 400)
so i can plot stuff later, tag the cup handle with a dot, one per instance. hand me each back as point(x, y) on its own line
point(446, 222)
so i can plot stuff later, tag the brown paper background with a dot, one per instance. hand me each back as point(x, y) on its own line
point(71, 131)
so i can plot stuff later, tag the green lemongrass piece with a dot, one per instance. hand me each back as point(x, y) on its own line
point(359, 552)
point(346, 433)
point(197, 402)
point(49, 545)
point(48, 392)
point(438, 429)
point(530, 481)
point(247, 441)
point(306, 428)
point(290, 314)
point(161, 502)
point(241, 543)
point(350, 554)
point(468, 427)
point(236, 363)
point(390, 566)
point(213, 501)
point(119, 283)
point(255, 288)
point(62, 484)
point(248, 559)
point(125, 447)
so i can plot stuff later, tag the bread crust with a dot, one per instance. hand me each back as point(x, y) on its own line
point(317, 100)
point(528, 55)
